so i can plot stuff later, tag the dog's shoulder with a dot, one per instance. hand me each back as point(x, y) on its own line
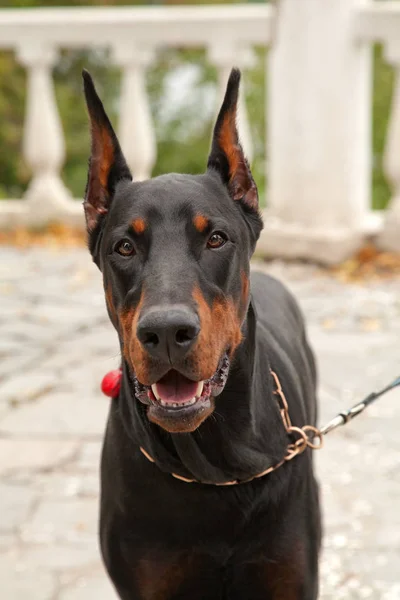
point(281, 334)
point(274, 303)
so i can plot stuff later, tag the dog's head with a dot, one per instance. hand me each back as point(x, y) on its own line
point(174, 252)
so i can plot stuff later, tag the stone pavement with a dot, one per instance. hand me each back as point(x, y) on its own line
point(56, 344)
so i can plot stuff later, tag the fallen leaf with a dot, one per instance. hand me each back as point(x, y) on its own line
point(370, 324)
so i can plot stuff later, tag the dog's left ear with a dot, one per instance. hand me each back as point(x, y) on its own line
point(227, 155)
point(107, 164)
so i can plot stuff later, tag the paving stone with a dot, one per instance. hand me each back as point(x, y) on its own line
point(15, 361)
point(85, 378)
point(16, 502)
point(92, 344)
point(67, 483)
point(60, 362)
point(12, 308)
point(54, 325)
point(26, 386)
point(20, 582)
point(8, 543)
point(58, 413)
point(94, 586)
point(89, 456)
point(29, 333)
point(63, 317)
point(57, 521)
point(59, 557)
point(34, 455)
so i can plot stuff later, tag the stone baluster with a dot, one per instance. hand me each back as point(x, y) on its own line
point(224, 56)
point(136, 132)
point(47, 198)
point(389, 239)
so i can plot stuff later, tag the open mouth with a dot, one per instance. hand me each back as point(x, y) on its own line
point(176, 393)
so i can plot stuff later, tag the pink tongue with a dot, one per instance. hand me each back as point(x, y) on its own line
point(174, 387)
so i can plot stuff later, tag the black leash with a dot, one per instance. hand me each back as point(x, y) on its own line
point(346, 416)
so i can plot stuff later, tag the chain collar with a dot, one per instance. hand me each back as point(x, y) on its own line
point(307, 436)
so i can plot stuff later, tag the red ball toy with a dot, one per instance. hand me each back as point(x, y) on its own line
point(111, 383)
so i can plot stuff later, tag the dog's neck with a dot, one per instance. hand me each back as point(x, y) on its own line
point(241, 438)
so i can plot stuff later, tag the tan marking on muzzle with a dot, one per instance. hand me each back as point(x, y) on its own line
point(244, 298)
point(134, 352)
point(219, 330)
point(110, 304)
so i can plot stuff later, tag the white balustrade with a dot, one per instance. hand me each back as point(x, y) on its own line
point(47, 199)
point(318, 143)
point(318, 107)
point(132, 34)
point(43, 143)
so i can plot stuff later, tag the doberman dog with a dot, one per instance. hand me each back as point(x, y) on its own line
point(185, 513)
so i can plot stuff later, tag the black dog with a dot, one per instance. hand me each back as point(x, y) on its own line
point(198, 405)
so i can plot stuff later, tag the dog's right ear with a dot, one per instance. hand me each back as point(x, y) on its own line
point(227, 156)
point(107, 164)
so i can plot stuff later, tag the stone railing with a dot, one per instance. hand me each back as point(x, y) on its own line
point(318, 110)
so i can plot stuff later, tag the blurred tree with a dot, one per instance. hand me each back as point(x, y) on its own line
point(13, 176)
point(383, 88)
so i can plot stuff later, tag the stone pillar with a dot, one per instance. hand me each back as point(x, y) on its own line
point(47, 198)
point(136, 131)
point(318, 138)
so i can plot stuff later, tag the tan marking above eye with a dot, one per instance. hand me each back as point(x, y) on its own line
point(200, 222)
point(138, 226)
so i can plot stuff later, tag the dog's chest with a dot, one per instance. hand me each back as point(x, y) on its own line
point(214, 553)
point(195, 574)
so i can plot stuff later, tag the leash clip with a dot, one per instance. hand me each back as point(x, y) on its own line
point(308, 433)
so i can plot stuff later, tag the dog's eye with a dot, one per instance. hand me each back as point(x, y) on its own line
point(125, 248)
point(217, 239)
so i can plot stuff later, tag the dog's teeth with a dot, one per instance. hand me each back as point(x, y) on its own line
point(199, 389)
point(155, 392)
point(177, 404)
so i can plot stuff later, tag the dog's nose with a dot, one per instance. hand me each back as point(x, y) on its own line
point(168, 334)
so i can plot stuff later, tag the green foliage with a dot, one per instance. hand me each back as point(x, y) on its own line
point(181, 145)
point(13, 176)
point(183, 140)
point(383, 88)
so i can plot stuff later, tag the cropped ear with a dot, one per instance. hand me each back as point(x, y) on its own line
point(107, 164)
point(227, 155)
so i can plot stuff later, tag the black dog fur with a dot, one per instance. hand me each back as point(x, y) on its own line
point(175, 254)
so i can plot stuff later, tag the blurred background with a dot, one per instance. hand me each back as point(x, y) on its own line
point(319, 119)
point(182, 88)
